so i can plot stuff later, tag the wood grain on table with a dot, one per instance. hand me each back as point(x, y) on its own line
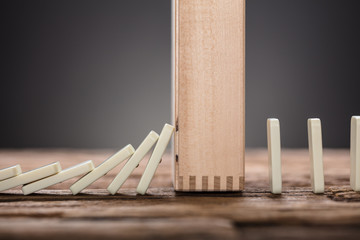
point(162, 214)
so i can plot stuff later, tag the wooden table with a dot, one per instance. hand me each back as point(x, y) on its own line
point(164, 214)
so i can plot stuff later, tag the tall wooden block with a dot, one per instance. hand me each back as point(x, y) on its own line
point(208, 94)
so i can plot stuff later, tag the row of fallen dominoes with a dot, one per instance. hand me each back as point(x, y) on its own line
point(51, 174)
point(316, 154)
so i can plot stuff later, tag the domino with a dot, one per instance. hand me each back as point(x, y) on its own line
point(10, 172)
point(316, 155)
point(30, 176)
point(274, 155)
point(62, 176)
point(355, 153)
point(102, 169)
point(155, 158)
point(132, 163)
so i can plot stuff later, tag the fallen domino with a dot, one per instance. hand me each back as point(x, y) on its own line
point(102, 169)
point(30, 176)
point(133, 162)
point(355, 153)
point(62, 176)
point(155, 158)
point(10, 172)
point(316, 155)
point(274, 155)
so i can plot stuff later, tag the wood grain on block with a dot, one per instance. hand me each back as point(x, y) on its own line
point(316, 155)
point(133, 162)
point(64, 175)
point(208, 94)
point(102, 169)
point(10, 172)
point(30, 176)
point(274, 155)
point(355, 153)
point(155, 158)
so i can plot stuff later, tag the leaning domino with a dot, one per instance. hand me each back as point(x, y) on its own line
point(274, 154)
point(30, 176)
point(62, 176)
point(132, 163)
point(10, 172)
point(355, 153)
point(155, 158)
point(316, 155)
point(102, 169)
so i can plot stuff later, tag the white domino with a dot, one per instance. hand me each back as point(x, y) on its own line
point(10, 172)
point(62, 176)
point(355, 153)
point(102, 169)
point(30, 176)
point(132, 163)
point(155, 158)
point(316, 155)
point(274, 155)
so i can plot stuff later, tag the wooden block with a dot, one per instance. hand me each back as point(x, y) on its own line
point(30, 176)
point(274, 155)
point(102, 169)
point(316, 155)
point(10, 172)
point(355, 153)
point(155, 158)
point(208, 68)
point(62, 176)
point(133, 162)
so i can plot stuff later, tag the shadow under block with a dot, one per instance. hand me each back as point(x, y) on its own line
point(274, 155)
point(30, 176)
point(316, 155)
point(208, 70)
point(355, 153)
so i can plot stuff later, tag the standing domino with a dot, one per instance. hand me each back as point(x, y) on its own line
point(132, 163)
point(316, 155)
point(62, 176)
point(155, 158)
point(10, 172)
point(30, 176)
point(102, 169)
point(355, 153)
point(274, 155)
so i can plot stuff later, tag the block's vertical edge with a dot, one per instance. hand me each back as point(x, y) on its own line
point(241, 185)
point(174, 87)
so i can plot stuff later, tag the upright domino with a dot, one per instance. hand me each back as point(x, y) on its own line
point(132, 163)
point(274, 154)
point(316, 155)
point(30, 176)
point(10, 172)
point(62, 176)
point(155, 158)
point(102, 169)
point(355, 153)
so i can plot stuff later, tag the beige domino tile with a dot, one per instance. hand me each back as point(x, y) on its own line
point(102, 169)
point(30, 176)
point(133, 162)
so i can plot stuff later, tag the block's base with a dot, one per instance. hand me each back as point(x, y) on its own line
point(209, 184)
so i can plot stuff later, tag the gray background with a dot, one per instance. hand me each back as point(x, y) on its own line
point(93, 74)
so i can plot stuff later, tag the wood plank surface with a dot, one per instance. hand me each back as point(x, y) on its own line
point(209, 101)
point(163, 214)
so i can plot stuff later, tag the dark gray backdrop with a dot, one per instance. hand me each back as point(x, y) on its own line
point(83, 73)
